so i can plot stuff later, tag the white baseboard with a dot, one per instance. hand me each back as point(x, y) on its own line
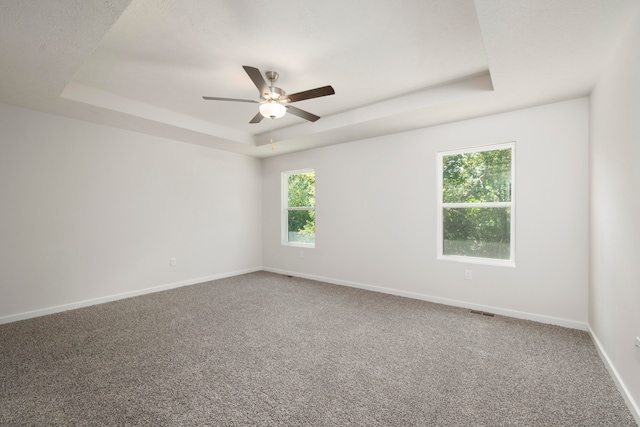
point(633, 406)
point(487, 309)
point(109, 298)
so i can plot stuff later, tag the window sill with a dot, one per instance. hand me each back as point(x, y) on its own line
point(474, 260)
point(299, 245)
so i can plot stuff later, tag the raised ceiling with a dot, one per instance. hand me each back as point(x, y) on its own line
point(144, 65)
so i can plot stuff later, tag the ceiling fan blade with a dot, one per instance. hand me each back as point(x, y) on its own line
point(301, 113)
point(257, 118)
point(256, 76)
point(215, 98)
point(313, 93)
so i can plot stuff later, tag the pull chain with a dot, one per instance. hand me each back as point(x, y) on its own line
point(271, 134)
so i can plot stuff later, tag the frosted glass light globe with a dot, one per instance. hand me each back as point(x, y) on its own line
point(272, 110)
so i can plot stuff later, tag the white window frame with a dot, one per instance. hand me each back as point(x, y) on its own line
point(512, 205)
point(284, 226)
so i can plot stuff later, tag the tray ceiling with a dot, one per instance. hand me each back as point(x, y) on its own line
point(144, 65)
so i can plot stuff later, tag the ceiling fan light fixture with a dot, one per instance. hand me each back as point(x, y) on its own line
point(274, 102)
point(272, 110)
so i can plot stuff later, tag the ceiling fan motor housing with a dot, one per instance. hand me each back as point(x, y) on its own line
point(276, 94)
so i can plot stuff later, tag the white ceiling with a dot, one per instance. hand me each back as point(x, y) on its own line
point(395, 65)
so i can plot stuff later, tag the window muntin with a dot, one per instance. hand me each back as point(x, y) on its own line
point(299, 208)
point(476, 208)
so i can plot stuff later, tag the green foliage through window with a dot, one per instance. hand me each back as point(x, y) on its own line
point(301, 202)
point(482, 176)
point(477, 203)
point(477, 232)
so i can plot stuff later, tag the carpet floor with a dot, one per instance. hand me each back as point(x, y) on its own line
point(263, 349)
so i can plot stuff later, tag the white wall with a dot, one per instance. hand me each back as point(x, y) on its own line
point(376, 215)
point(90, 212)
point(614, 285)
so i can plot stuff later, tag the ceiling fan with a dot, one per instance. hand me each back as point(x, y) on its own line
point(274, 102)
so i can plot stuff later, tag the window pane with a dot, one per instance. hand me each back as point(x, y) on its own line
point(301, 226)
point(483, 176)
point(302, 189)
point(477, 232)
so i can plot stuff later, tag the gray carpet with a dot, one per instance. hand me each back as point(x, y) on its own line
point(267, 350)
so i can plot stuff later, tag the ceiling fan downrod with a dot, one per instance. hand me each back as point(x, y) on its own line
point(276, 94)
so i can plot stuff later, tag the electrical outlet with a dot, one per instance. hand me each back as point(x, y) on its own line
point(638, 347)
point(173, 262)
point(301, 254)
point(468, 275)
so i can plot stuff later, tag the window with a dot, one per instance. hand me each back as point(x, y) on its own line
point(476, 205)
point(299, 208)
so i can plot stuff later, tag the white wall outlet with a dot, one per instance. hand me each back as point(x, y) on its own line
point(173, 262)
point(468, 275)
point(301, 254)
point(638, 347)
